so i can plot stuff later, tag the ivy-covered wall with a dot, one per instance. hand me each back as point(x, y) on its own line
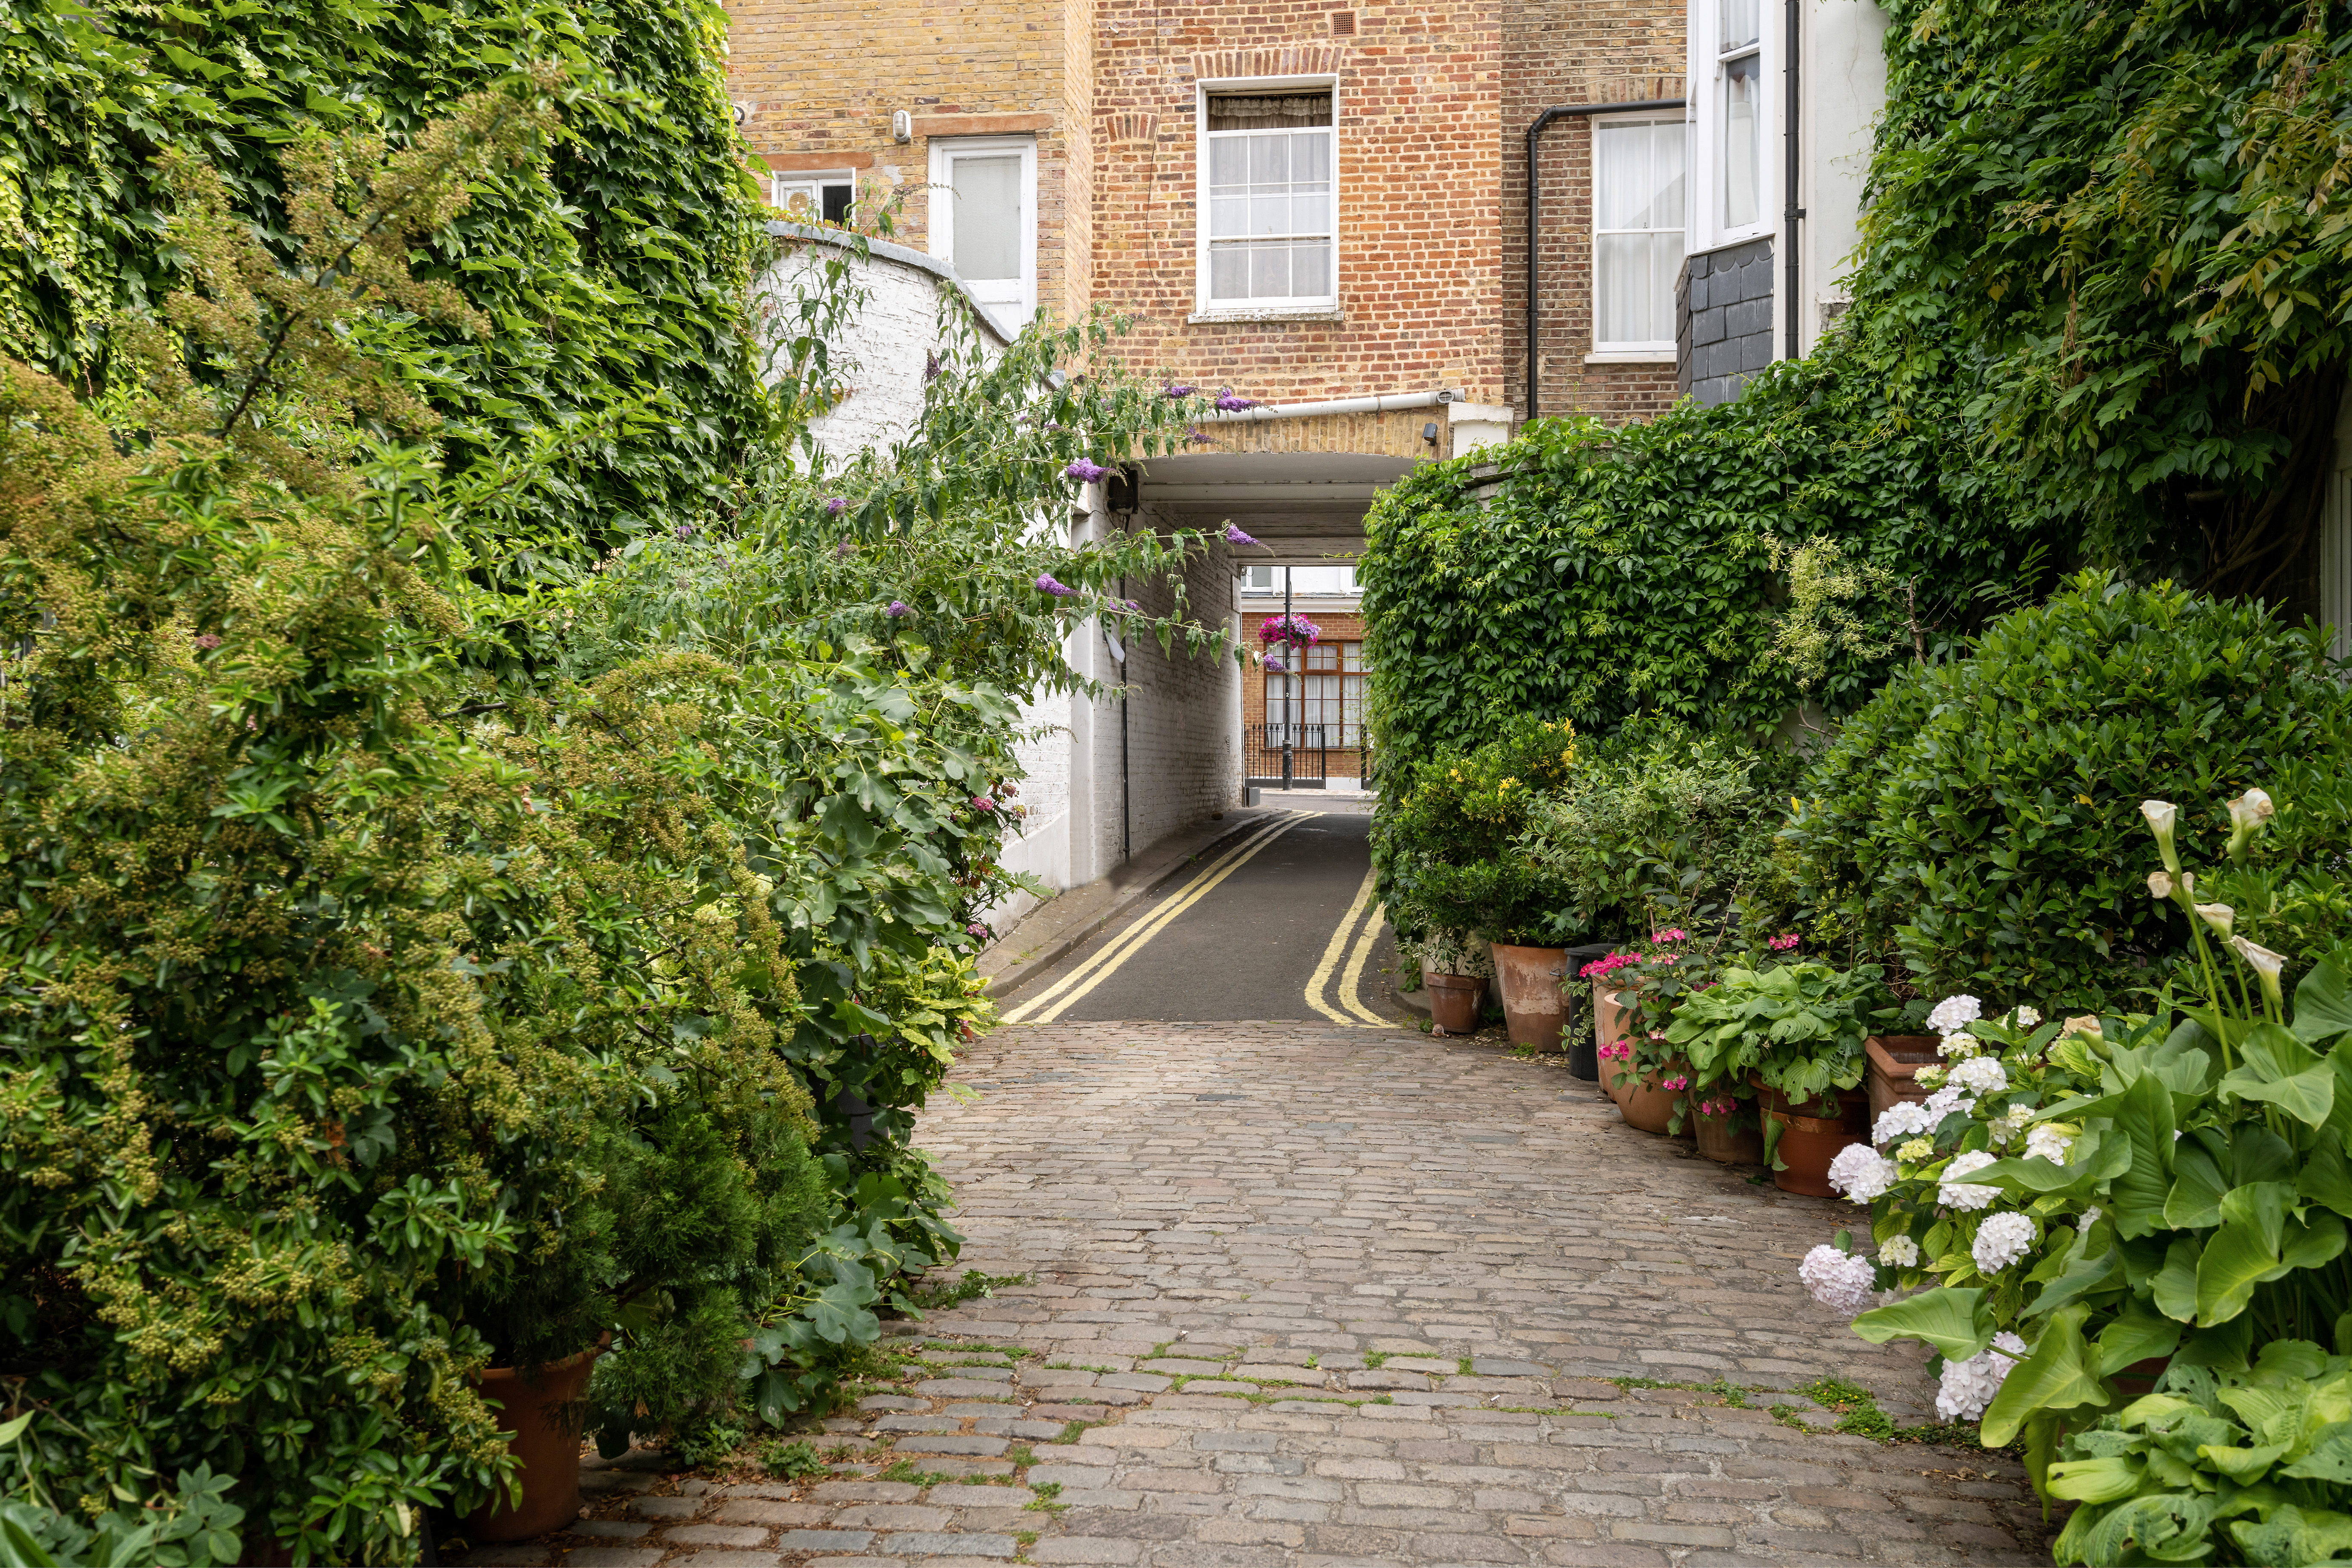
point(611, 272)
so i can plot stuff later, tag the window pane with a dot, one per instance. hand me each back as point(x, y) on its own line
point(987, 216)
point(837, 204)
point(1666, 145)
point(1228, 161)
point(1310, 157)
point(798, 200)
point(1739, 23)
point(1228, 216)
point(1269, 273)
point(1623, 286)
point(1269, 213)
point(1269, 158)
point(1742, 111)
point(1310, 209)
point(1229, 272)
point(1622, 156)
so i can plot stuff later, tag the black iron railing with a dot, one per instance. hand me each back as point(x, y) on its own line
point(1289, 755)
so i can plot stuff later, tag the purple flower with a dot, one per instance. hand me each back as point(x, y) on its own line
point(208, 640)
point(683, 531)
point(847, 547)
point(1131, 604)
point(1196, 438)
point(982, 802)
point(1177, 389)
point(1288, 628)
point(898, 609)
point(1274, 662)
point(1236, 536)
point(1084, 471)
point(1045, 584)
point(1227, 403)
point(978, 929)
point(931, 367)
point(836, 505)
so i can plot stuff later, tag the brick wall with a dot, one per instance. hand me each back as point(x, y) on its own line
point(1336, 628)
point(1571, 52)
point(1420, 282)
point(823, 86)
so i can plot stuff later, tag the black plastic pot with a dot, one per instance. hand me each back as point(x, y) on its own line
point(1584, 1053)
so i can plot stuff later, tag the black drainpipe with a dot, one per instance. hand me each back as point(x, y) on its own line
point(1791, 212)
point(1534, 185)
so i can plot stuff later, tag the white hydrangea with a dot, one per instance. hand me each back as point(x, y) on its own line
point(1861, 1173)
point(2001, 1240)
point(1954, 1014)
point(1837, 1279)
point(1904, 1119)
point(1980, 1075)
point(1959, 1195)
point(1958, 1047)
point(2009, 1123)
point(2090, 1217)
point(1968, 1386)
point(2026, 1017)
point(1945, 1100)
point(1900, 1251)
point(2049, 1141)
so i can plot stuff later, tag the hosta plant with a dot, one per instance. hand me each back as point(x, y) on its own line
point(2251, 1465)
point(2125, 1190)
point(1798, 1027)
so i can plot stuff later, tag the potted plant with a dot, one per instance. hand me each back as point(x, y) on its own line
point(1529, 981)
point(1795, 1033)
point(1729, 1130)
point(1455, 968)
point(1651, 1076)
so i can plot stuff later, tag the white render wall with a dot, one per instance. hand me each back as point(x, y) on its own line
point(890, 339)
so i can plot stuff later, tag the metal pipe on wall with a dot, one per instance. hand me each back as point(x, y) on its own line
point(1535, 186)
point(1790, 213)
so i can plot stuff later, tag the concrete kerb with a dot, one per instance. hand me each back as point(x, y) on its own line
point(1049, 932)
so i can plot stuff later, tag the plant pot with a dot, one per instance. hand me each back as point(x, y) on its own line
point(1894, 1061)
point(1810, 1140)
point(1719, 1140)
point(1454, 1002)
point(1583, 1060)
point(1528, 979)
point(1649, 1107)
point(546, 1441)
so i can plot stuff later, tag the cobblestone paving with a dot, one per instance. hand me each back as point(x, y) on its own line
point(1305, 1295)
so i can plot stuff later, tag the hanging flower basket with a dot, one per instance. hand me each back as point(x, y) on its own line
point(1289, 628)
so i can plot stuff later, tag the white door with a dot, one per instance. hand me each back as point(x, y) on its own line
point(984, 221)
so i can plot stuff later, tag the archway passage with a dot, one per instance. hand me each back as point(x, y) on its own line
point(1279, 922)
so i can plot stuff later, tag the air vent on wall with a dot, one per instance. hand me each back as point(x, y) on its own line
point(1343, 24)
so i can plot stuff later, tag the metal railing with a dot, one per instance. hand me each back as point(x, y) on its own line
point(1289, 756)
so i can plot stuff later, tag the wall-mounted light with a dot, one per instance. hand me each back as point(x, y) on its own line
point(743, 112)
point(902, 126)
point(1429, 432)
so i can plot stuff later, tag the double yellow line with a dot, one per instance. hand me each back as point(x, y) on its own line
point(1065, 992)
point(1349, 995)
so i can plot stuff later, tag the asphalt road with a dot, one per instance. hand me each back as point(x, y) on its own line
point(1278, 924)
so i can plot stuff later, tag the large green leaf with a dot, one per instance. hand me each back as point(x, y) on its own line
point(2143, 1115)
point(2174, 1288)
point(2096, 1480)
point(2057, 1375)
point(2323, 1004)
point(2097, 1158)
point(2325, 1178)
point(2244, 1252)
point(1957, 1322)
point(2279, 1070)
point(2195, 1201)
point(2135, 1334)
point(2294, 1537)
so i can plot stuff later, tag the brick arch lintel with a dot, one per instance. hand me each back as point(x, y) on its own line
point(1326, 59)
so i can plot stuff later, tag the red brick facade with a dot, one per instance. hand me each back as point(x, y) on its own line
point(1430, 106)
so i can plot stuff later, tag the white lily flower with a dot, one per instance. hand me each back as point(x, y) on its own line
point(2264, 963)
point(2161, 815)
point(2252, 809)
point(2220, 917)
point(2159, 884)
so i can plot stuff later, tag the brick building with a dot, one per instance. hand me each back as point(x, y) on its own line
point(1323, 206)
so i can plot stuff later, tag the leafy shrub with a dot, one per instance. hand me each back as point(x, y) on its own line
point(2248, 1465)
point(1446, 851)
point(1979, 818)
point(1660, 825)
point(1798, 1026)
point(1587, 574)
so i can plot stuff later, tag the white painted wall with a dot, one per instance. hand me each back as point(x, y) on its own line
point(897, 328)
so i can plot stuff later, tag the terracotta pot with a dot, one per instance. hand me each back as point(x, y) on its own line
point(1893, 1061)
point(1528, 979)
point(1651, 1108)
point(1812, 1135)
point(1454, 1002)
point(544, 1440)
point(1583, 1060)
point(1720, 1143)
point(2138, 1380)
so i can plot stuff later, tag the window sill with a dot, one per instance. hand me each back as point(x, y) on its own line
point(1217, 315)
point(1631, 356)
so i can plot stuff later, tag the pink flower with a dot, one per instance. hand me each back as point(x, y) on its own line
point(1676, 934)
point(1782, 942)
point(982, 802)
point(978, 929)
point(1677, 1083)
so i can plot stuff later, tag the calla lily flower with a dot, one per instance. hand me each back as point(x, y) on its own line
point(2161, 815)
point(2265, 963)
point(2220, 917)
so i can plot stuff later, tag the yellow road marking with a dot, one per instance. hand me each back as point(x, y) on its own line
point(1331, 952)
point(1351, 993)
point(1107, 963)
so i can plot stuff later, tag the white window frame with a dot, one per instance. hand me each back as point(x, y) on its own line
point(1010, 307)
point(1709, 83)
point(1244, 310)
point(779, 178)
point(1646, 349)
